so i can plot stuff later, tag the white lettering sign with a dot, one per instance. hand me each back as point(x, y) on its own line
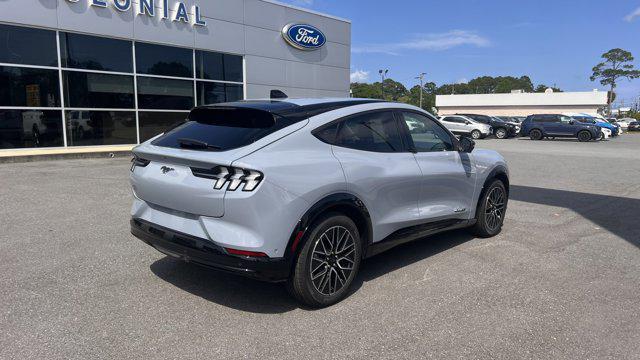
point(148, 8)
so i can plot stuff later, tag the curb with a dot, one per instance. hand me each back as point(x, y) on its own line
point(65, 156)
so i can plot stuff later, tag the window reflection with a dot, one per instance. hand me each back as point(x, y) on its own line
point(213, 93)
point(164, 60)
point(30, 128)
point(169, 94)
point(217, 66)
point(95, 53)
point(100, 128)
point(28, 46)
point(154, 123)
point(29, 87)
point(89, 90)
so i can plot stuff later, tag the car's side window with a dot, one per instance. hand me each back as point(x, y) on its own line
point(372, 131)
point(426, 134)
point(565, 119)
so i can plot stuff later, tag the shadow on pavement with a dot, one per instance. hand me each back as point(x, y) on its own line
point(249, 295)
point(613, 213)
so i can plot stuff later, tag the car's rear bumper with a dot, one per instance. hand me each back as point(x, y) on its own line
point(205, 253)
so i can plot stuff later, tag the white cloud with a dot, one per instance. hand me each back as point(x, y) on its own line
point(633, 15)
point(359, 76)
point(431, 42)
point(462, 81)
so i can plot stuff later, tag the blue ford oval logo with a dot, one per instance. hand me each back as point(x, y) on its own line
point(303, 37)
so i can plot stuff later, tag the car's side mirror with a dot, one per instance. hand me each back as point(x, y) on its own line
point(572, 122)
point(468, 122)
point(466, 144)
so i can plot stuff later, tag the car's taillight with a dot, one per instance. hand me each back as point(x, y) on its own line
point(138, 161)
point(231, 177)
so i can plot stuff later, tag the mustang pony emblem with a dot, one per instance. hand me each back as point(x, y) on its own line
point(166, 169)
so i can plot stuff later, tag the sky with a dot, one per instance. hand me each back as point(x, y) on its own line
point(552, 41)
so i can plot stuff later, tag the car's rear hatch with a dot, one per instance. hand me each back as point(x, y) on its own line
point(167, 171)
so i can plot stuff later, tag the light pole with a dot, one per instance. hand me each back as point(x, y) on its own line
point(421, 78)
point(382, 73)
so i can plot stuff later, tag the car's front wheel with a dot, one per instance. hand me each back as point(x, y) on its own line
point(476, 134)
point(327, 263)
point(491, 210)
point(501, 133)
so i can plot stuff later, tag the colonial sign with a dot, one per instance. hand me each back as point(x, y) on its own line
point(150, 8)
point(303, 37)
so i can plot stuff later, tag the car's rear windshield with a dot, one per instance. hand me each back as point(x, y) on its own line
point(222, 128)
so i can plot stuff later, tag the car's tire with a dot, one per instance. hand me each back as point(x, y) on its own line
point(322, 275)
point(602, 137)
point(584, 136)
point(535, 134)
point(501, 133)
point(491, 210)
point(476, 134)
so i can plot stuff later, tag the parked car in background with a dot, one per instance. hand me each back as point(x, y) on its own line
point(510, 119)
point(462, 125)
point(634, 126)
point(624, 122)
point(588, 119)
point(538, 127)
point(500, 129)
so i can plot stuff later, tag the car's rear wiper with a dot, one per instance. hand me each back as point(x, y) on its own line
point(196, 144)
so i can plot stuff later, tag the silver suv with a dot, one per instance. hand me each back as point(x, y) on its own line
point(301, 191)
point(462, 125)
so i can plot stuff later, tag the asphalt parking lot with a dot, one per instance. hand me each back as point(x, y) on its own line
point(561, 281)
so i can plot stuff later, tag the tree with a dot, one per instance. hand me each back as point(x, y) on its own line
point(617, 65)
point(542, 88)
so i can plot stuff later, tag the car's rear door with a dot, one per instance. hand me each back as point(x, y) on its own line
point(379, 169)
point(448, 176)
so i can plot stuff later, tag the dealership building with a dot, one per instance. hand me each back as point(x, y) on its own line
point(523, 104)
point(87, 75)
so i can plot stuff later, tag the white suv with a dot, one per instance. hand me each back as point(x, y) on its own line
point(462, 125)
point(301, 191)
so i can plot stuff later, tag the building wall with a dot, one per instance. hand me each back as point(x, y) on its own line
point(245, 27)
point(516, 110)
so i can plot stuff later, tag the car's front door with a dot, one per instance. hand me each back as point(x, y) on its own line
point(453, 124)
point(448, 176)
point(379, 169)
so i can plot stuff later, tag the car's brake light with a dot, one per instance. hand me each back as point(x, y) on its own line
point(231, 177)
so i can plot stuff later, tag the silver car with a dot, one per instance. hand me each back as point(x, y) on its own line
point(462, 125)
point(300, 191)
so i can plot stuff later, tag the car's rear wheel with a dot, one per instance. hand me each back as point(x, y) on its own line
point(535, 134)
point(501, 133)
point(491, 210)
point(602, 137)
point(584, 136)
point(327, 263)
point(476, 134)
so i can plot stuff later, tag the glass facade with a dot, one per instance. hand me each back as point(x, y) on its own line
point(67, 89)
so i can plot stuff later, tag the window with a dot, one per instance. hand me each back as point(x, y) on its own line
point(29, 87)
point(27, 46)
point(164, 60)
point(212, 93)
point(169, 94)
point(100, 128)
point(220, 129)
point(216, 66)
point(455, 119)
point(374, 131)
point(30, 128)
point(565, 119)
point(426, 134)
point(89, 90)
point(95, 53)
point(327, 133)
point(154, 123)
